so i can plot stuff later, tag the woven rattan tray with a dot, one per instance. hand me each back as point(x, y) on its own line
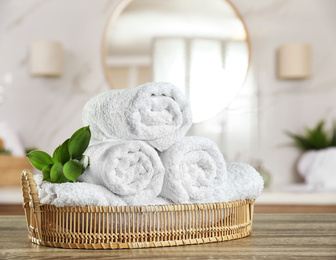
point(118, 227)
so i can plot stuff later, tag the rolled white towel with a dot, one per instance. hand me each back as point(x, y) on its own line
point(75, 194)
point(156, 112)
point(194, 168)
point(244, 182)
point(130, 169)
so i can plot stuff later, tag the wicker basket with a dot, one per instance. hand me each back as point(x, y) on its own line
point(118, 227)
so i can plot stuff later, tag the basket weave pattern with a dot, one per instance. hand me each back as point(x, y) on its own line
point(116, 227)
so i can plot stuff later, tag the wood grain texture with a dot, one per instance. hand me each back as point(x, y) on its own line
point(281, 236)
point(11, 168)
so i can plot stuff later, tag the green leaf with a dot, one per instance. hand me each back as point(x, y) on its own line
point(300, 142)
point(56, 154)
point(72, 170)
point(46, 172)
point(333, 137)
point(61, 153)
point(39, 159)
point(79, 141)
point(56, 173)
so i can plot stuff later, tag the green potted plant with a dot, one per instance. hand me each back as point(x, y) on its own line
point(317, 164)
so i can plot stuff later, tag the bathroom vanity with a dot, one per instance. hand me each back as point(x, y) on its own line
point(295, 202)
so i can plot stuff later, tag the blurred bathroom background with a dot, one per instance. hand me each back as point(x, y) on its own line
point(233, 59)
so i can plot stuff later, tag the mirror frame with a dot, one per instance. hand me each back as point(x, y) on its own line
point(119, 9)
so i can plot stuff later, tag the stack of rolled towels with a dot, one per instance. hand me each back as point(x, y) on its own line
point(139, 155)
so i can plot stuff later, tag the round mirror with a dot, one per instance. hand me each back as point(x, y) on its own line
point(201, 46)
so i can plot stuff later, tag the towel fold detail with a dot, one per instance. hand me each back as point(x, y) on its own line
point(244, 182)
point(130, 169)
point(75, 194)
point(156, 112)
point(194, 168)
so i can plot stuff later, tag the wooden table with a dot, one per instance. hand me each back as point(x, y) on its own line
point(281, 236)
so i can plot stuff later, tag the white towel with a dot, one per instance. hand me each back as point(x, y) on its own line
point(130, 169)
point(156, 112)
point(75, 194)
point(317, 167)
point(194, 168)
point(244, 182)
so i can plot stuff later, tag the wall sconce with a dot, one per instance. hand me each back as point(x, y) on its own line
point(294, 61)
point(46, 58)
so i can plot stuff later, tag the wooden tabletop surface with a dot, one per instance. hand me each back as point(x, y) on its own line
point(282, 236)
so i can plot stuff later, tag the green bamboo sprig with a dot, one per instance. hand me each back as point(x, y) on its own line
point(67, 162)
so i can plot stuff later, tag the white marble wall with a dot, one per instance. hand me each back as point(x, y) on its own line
point(45, 111)
point(289, 104)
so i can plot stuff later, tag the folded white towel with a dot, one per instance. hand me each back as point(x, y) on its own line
point(317, 167)
point(194, 168)
point(130, 169)
point(75, 194)
point(244, 182)
point(156, 112)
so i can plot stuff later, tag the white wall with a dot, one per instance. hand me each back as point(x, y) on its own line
point(290, 105)
point(45, 111)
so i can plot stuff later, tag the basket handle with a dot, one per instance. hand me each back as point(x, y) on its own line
point(31, 203)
